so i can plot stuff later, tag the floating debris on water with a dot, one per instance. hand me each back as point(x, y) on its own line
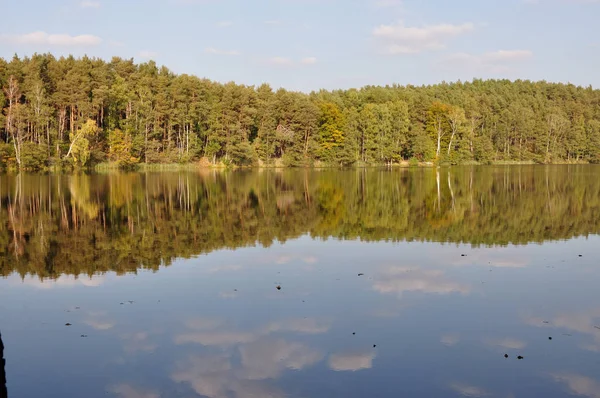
point(361, 274)
point(463, 255)
point(353, 333)
point(549, 338)
point(374, 345)
point(84, 335)
point(68, 324)
point(505, 355)
point(519, 357)
point(278, 287)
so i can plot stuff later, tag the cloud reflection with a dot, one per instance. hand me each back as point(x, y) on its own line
point(64, 281)
point(351, 362)
point(267, 358)
point(468, 390)
point(509, 343)
point(450, 340)
point(400, 280)
point(127, 391)
point(579, 385)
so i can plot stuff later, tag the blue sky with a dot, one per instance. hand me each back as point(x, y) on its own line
point(312, 44)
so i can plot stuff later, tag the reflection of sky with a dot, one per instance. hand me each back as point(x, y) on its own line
point(422, 321)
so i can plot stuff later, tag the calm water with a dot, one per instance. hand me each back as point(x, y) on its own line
point(169, 282)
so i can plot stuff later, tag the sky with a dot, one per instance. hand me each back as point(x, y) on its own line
point(312, 44)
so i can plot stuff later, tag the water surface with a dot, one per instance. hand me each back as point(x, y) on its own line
point(169, 282)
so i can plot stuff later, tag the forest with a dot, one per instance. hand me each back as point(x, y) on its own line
point(85, 224)
point(80, 113)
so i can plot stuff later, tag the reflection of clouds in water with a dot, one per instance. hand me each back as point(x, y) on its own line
point(260, 357)
point(351, 361)
point(215, 338)
point(127, 391)
point(137, 342)
point(585, 322)
point(450, 339)
point(215, 377)
point(497, 258)
point(401, 279)
point(310, 260)
point(267, 358)
point(99, 324)
point(591, 347)
point(99, 320)
point(506, 343)
point(283, 260)
point(579, 385)
point(62, 281)
point(205, 331)
point(228, 295)
point(203, 323)
point(468, 391)
point(288, 258)
point(385, 313)
point(224, 268)
point(306, 326)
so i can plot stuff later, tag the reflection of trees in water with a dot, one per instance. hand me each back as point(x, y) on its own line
point(85, 224)
point(3, 392)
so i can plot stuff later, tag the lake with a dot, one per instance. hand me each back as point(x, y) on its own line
point(302, 283)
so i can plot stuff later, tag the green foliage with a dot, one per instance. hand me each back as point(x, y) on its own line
point(79, 149)
point(120, 149)
point(331, 131)
point(171, 118)
point(33, 157)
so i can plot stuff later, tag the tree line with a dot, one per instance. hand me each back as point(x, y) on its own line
point(76, 224)
point(68, 112)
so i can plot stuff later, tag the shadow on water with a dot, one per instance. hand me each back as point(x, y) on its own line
point(3, 392)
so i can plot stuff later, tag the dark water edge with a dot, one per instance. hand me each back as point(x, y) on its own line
point(370, 283)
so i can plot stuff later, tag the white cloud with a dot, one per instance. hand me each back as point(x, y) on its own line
point(401, 39)
point(351, 362)
point(496, 62)
point(281, 61)
point(309, 61)
point(147, 54)
point(224, 24)
point(43, 38)
point(89, 4)
point(508, 55)
point(216, 51)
